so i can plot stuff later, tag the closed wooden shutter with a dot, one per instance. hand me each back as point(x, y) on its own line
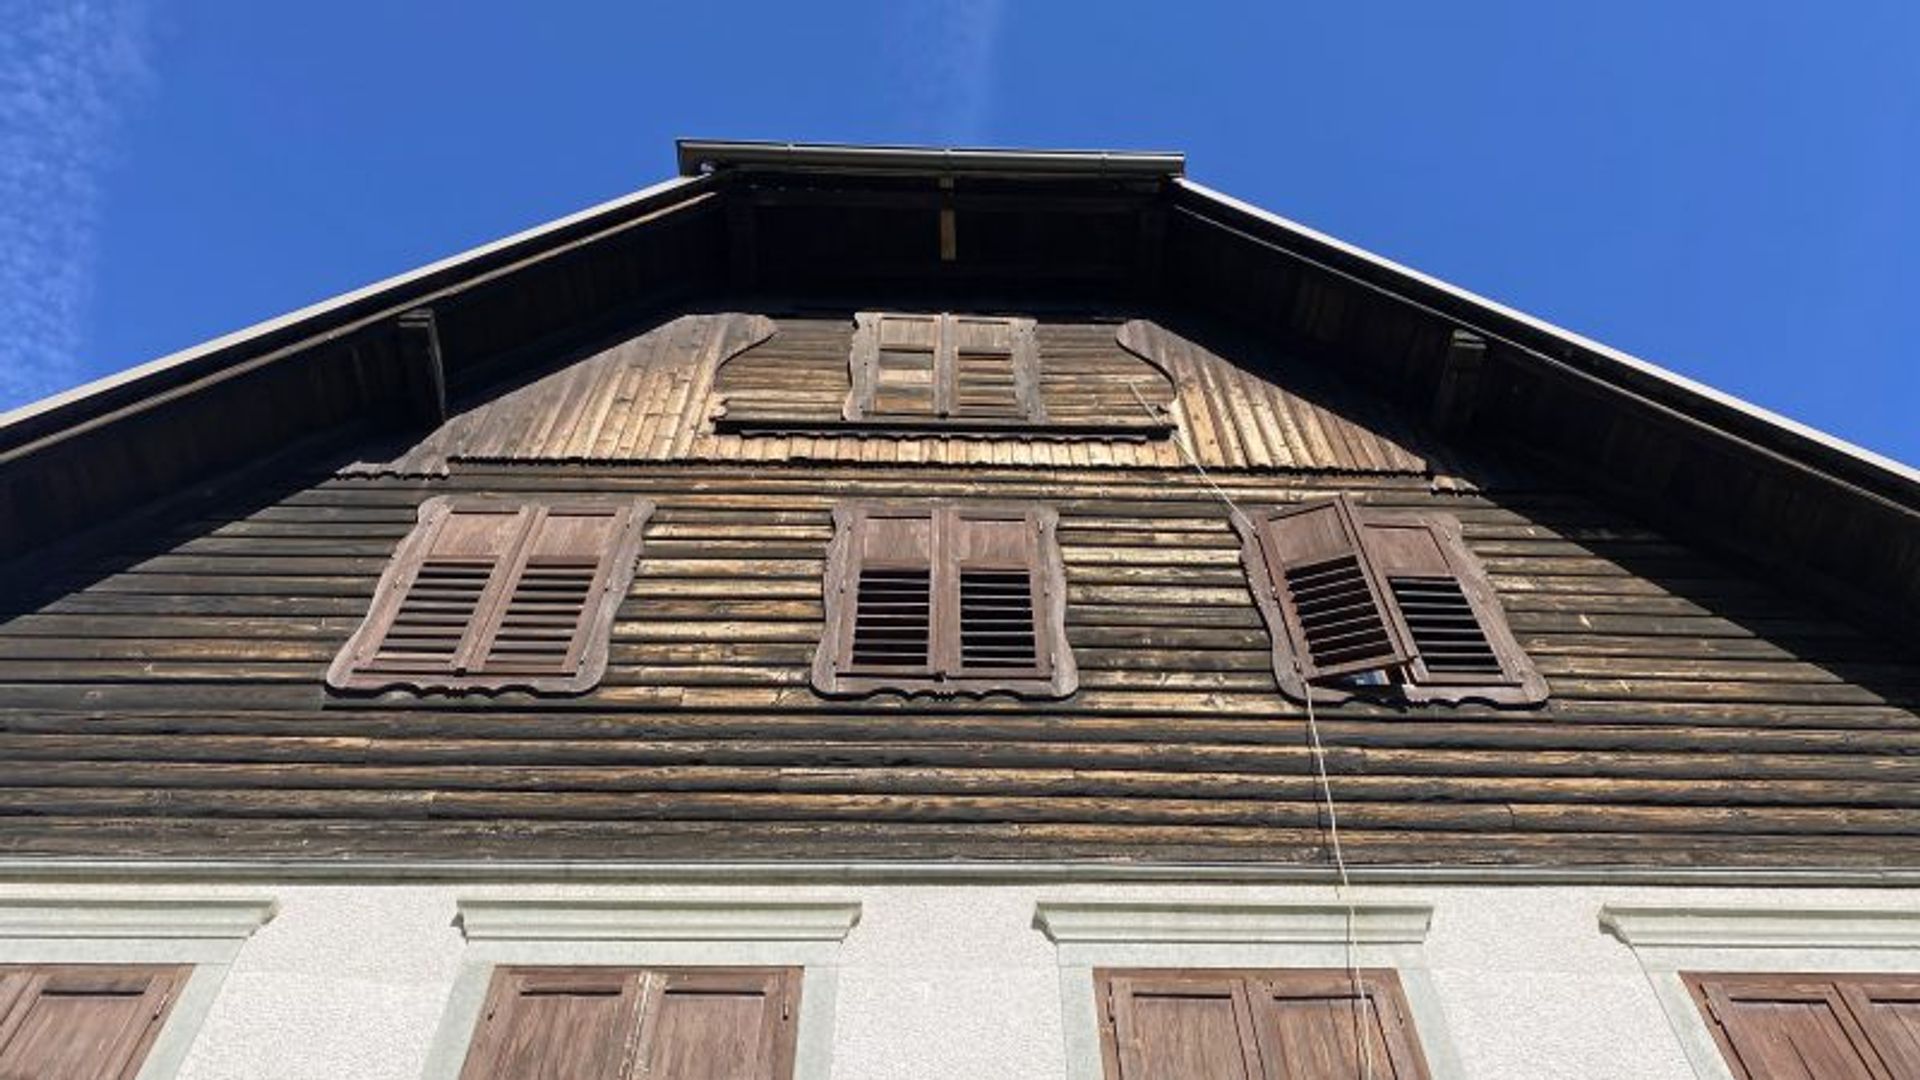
point(1888, 1011)
point(944, 367)
point(629, 1023)
point(495, 595)
point(1813, 1027)
point(1333, 602)
point(719, 1024)
point(1258, 1025)
point(947, 599)
point(892, 613)
point(905, 374)
point(995, 591)
point(1319, 1024)
point(1180, 1026)
point(82, 1022)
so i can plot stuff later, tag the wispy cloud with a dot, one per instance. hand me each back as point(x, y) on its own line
point(944, 52)
point(67, 69)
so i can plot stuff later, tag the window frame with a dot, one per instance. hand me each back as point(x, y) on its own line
point(649, 986)
point(1204, 936)
point(198, 936)
point(353, 669)
point(1520, 683)
point(1054, 673)
point(944, 412)
point(1671, 943)
point(654, 933)
point(1247, 988)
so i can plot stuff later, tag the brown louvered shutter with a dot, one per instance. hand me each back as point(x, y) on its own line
point(82, 1022)
point(719, 1024)
point(947, 599)
point(988, 366)
point(944, 368)
point(495, 595)
point(1313, 1024)
point(891, 617)
point(1333, 603)
point(557, 1024)
point(993, 591)
point(1461, 642)
point(1888, 1011)
point(1175, 1025)
point(895, 367)
point(1786, 1027)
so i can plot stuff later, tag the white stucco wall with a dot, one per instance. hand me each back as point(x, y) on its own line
point(950, 979)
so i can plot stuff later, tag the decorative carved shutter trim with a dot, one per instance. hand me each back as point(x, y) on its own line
point(495, 595)
point(1347, 591)
point(83, 1022)
point(944, 368)
point(944, 599)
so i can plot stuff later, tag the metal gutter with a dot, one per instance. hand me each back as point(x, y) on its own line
point(975, 872)
point(701, 156)
point(1630, 372)
point(51, 414)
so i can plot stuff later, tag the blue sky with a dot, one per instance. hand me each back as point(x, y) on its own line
point(1726, 189)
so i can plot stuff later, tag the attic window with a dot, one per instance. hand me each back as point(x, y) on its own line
point(493, 595)
point(944, 599)
point(1369, 603)
point(944, 369)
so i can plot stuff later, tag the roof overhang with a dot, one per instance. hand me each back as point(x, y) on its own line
point(699, 157)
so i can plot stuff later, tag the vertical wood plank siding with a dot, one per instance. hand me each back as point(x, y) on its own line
point(169, 700)
point(654, 396)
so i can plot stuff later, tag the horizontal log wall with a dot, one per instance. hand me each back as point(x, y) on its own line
point(168, 700)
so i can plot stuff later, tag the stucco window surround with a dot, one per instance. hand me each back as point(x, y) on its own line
point(1087, 935)
point(650, 933)
point(1669, 940)
point(204, 934)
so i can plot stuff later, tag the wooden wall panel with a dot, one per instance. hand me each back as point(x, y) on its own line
point(168, 699)
point(654, 397)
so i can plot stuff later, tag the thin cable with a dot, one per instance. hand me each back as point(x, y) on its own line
point(1343, 889)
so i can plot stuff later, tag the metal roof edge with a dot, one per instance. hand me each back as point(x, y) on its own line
point(206, 357)
point(700, 156)
point(1677, 390)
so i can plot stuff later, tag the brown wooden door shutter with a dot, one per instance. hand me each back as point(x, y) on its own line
point(1314, 1024)
point(82, 1022)
point(592, 1023)
point(1261, 1025)
point(557, 1024)
point(1787, 1027)
point(494, 595)
point(1888, 1011)
point(1333, 602)
point(719, 1024)
point(1180, 1026)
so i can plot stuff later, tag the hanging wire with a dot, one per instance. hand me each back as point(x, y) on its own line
point(1344, 886)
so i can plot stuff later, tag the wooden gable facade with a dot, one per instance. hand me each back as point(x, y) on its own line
point(1720, 608)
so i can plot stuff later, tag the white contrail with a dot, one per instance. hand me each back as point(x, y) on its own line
point(67, 68)
point(943, 55)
